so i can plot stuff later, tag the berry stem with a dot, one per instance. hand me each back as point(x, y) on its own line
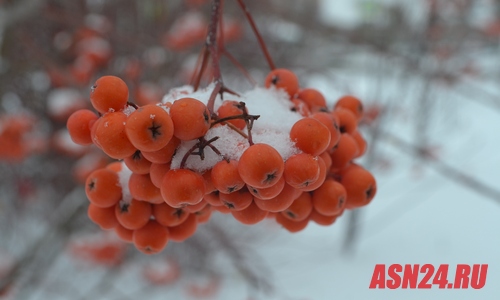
point(249, 129)
point(200, 146)
point(201, 64)
point(211, 45)
point(243, 116)
point(244, 135)
point(249, 119)
point(257, 34)
point(221, 27)
point(237, 64)
point(232, 59)
point(213, 95)
point(132, 104)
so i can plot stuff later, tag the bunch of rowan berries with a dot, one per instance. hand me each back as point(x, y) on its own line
point(276, 152)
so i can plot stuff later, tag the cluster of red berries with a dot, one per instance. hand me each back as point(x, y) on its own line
point(329, 141)
point(148, 199)
point(16, 139)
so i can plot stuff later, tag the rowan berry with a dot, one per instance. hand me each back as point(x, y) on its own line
point(133, 215)
point(79, 124)
point(149, 128)
point(222, 209)
point(109, 93)
point(283, 79)
point(360, 186)
point(115, 166)
point(182, 187)
point(313, 98)
point(157, 172)
point(209, 184)
point(230, 108)
point(310, 136)
point(225, 176)
point(152, 238)
point(347, 120)
point(204, 215)
point(169, 216)
point(103, 188)
point(137, 163)
point(213, 199)
point(327, 159)
point(110, 135)
point(104, 217)
point(269, 192)
point(330, 198)
point(142, 188)
point(165, 154)
point(250, 215)
point(238, 200)
point(331, 122)
point(191, 118)
point(300, 208)
point(196, 207)
point(123, 233)
point(322, 219)
point(291, 225)
point(351, 103)
point(323, 172)
point(361, 142)
point(300, 107)
point(301, 170)
point(260, 166)
point(280, 202)
point(346, 150)
point(184, 230)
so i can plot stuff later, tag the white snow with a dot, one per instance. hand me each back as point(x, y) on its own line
point(95, 45)
point(128, 110)
point(177, 93)
point(124, 176)
point(64, 140)
point(417, 217)
point(187, 24)
point(272, 128)
point(62, 100)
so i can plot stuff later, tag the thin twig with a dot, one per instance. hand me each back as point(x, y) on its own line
point(262, 44)
point(237, 130)
point(61, 218)
point(200, 146)
point(238, 66)
point(204, 59)
point(442, 167)
point(236, 256)
point(211, 44)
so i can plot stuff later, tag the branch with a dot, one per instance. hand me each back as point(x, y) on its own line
point(443, 168)
point(211, 45)
point(236, 255)
point(262, 44)
point(69, 208)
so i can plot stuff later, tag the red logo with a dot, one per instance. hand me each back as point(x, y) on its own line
point(397, 276)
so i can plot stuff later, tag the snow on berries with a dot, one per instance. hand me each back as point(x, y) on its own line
point(275, 152)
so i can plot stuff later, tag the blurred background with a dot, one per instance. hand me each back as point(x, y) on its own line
point(427, 71)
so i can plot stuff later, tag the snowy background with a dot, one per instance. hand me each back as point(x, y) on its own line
point(439, 209)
